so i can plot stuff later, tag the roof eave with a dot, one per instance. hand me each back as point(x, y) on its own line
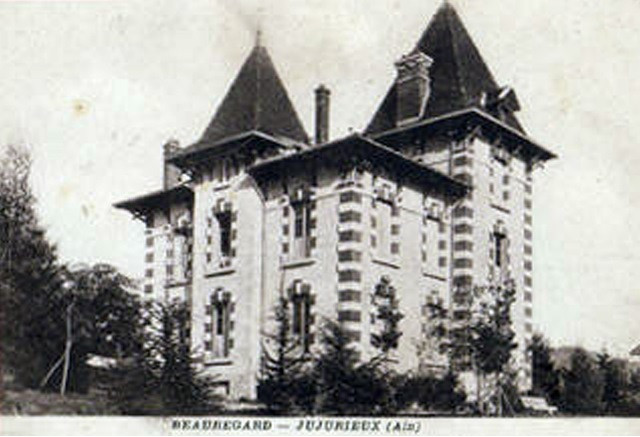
point(142, 205)
point(426, 175)
point(202, 150)
point(471, 112)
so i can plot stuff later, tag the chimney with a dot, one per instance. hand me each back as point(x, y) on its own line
point(322, 114)
point(171, 176)
point(412, 87)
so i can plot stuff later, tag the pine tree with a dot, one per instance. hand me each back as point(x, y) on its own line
point(32, 302)
point(613, 383)
point(162, 378)
point(583, 385)
point(386, 340)
point(286, 385)
point(546, 379)
point(385, 301)
point(346, 386)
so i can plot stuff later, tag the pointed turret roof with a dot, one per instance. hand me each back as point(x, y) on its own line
point(256, 101)
point(459, 75)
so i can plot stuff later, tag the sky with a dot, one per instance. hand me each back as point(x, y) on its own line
point(94, 88)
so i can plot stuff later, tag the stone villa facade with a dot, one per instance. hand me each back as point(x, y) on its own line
point(436, 193)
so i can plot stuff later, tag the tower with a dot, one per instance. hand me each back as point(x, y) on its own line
point(469, 130)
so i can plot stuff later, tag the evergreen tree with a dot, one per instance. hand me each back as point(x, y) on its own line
point(493, 335)
point(613, 383)
point(583, 385)
point(386, 303)
point(346, 387)
point(162, 378)
point(286, 385)
point(32, 304)
point(433, 393)
point(546, 379)
point(386, 340)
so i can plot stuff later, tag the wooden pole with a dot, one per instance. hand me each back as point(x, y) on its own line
point(67, 352)
point(50, 372)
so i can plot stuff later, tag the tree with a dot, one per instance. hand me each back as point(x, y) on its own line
point(107, 313)
point(345, 386)
point(386, 340)
point(162, 378)
point(286, 385)
point(102, 318)
point(546, 379)
point(613, 383)
point(386, 304)
point(32, 304)
point(480, 334)
point(583, 385)
point(433, 393)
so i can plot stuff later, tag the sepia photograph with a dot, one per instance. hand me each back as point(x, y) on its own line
point(319, 217)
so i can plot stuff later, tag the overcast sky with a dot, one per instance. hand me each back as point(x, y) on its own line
point(95, 88)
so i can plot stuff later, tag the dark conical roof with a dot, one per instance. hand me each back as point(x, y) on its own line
point(256, 101)
point(459, 75)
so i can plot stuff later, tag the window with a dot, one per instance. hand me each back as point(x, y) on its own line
point(500, 249)
point(383, 228)
point(220, 324)
point(224, 226)
point(300, 297)
point(301, 319)
point(302, 226)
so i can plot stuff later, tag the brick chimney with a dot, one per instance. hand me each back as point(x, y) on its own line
point(323, 95)
point(412, 87)
point(171, 176)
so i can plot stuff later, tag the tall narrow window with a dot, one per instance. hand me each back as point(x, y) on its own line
point(301, 229)
point(220, 324)
point(301, 319)
point(500, 249)
point(301, 313)
point(224, 226)
point(383, 228)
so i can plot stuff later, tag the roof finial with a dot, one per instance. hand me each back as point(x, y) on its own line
point(259, 37)
point(259, 27)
